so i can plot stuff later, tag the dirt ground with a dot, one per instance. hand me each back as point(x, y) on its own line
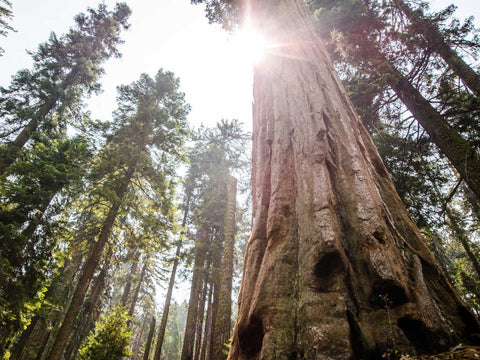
point(459, 352)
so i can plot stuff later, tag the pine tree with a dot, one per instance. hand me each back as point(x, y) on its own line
point(150, 126)
point(65, 70)
point(54, 168)
point(166, 308)
point(437, 43)
point(110, 339)
point(218, 152)
point(5, 13)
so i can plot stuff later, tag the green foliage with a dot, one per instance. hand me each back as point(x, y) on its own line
point(173, 340)
point(65, 69)
point(28, 231)
point(5, 13)
point(224, 12)
point(110, 339)
point(218, 152)
point(41, 179)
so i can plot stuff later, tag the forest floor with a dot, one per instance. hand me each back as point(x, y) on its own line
point(458, 352)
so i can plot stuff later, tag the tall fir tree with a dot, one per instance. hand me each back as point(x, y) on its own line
point(65, 69)
point(150, 129)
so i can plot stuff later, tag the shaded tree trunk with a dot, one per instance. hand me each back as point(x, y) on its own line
point(88, 270)
point(192, 313)
point(223, 320)
point(199, 334)
point(82, 329)
point(216, 275)
point(171, 283)
point(22, 341)
point(438, 44)
point(135, 345)
point(128, 284)
point(335, 268)
point(148, 345)
point(133, 304)
point(461, 236)
point(28, 342)
point(44, 343)
point(462, 156)
point(208, 329)
point(14, 147)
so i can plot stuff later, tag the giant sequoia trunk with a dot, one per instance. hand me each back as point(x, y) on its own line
point(335, 268)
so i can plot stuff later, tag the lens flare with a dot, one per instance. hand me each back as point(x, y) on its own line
point(249, 45)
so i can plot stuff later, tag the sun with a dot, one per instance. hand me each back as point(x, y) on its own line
point(249, 45)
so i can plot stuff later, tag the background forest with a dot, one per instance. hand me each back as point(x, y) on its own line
point(101, 218)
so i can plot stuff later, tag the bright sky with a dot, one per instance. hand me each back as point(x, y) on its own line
point(172, 34)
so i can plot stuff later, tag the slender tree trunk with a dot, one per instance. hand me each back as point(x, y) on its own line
point(88, 271)
point(29, 339)
point(198, 268)
point(438, 44)
point(32, 348)
point(45, 340)
point(133, 304)
point(146, 353)
point(171, 284)
point(81, 328)
point(462, 156)
point(208, 329)
point(200, 319)
point(23, 339)
point(335, 268)
point(128, 285)
point(14, 147)
point(135, 346)
point(460, 236)
point(224, 314)
point(216, 275)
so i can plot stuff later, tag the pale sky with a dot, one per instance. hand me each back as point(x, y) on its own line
point(172, 34)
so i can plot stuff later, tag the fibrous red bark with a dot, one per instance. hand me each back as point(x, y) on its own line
point(335, 268)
